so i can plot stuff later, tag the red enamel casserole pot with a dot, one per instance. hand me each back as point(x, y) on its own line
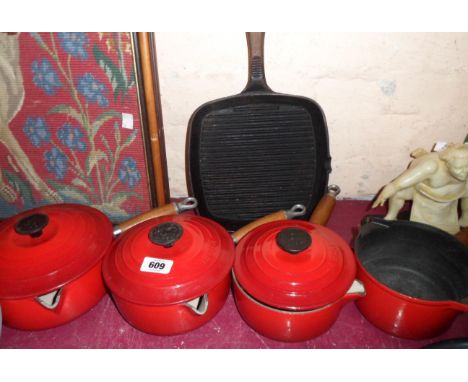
point(291, 279)
point(415, 275)
point(50, 261)
point(171, 275)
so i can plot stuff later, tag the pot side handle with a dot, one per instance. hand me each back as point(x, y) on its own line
point(168, 209)
point(371, 223)
point(377, 220)
point(296, 210)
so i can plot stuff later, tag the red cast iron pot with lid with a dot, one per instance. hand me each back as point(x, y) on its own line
point(171, 275)
point(51, 258)
point(291, 278)
point(415, 275)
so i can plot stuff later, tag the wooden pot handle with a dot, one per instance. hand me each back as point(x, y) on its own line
point(325, 206)
point(168, 209)
point(462, 235)
point(296, 210)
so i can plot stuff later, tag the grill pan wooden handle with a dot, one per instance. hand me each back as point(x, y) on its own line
point(257, 80)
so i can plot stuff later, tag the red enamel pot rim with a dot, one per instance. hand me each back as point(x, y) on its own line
point(413, 300)
point(274, 309)
point(44, 242)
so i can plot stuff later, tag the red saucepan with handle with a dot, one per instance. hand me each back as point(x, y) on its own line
point(171, 275)
point(291, 278)
point(415, 275)
point(50, 261)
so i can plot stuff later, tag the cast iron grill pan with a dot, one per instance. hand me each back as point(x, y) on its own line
point(257, 152)
point(416, 260)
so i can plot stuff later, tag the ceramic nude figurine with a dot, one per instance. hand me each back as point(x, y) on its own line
point(435, 182)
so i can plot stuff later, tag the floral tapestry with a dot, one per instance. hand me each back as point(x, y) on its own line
point(70, 128)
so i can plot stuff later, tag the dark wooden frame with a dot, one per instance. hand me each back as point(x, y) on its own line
point(151, 116)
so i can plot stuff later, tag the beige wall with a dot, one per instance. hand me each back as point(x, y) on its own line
point(383, 94)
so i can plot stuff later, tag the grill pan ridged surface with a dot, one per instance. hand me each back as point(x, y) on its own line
point(265, 154)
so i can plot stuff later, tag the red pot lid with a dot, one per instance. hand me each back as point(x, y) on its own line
point(168, 260)
point(45, 248)
point(294, 265)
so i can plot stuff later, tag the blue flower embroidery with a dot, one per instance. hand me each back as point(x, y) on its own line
point(128, 173)
point(71, 136)
point(92, 89)
point(36, 130)
point(45, 76)
point(74, 43)
point(56, 162)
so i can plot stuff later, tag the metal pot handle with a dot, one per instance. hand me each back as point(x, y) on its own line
point(371, 223)
point(376, 219)
point(256, 79)
point(198, 305)
point(294, 211)
point(187, 204)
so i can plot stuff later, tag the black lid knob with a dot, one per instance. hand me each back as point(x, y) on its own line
point(166, 234)
point(294, 240)
point(32, 225)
